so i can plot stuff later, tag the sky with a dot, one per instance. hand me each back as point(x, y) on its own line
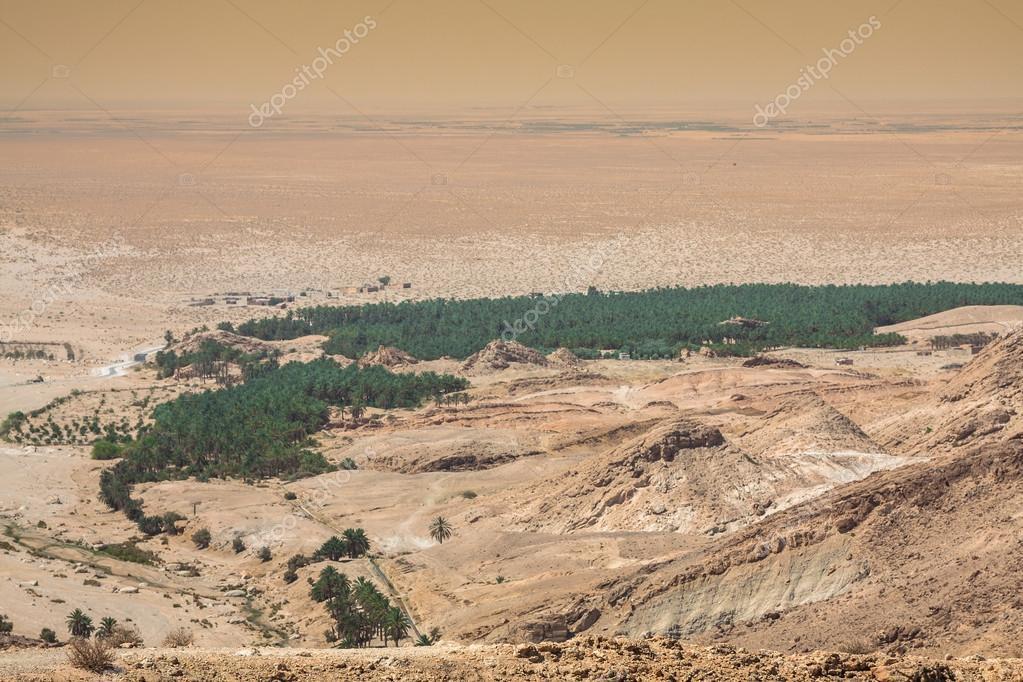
point(480, 55)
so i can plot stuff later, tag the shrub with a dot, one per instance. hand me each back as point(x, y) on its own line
point(6, 626)
point(298, 561)
point(170, 522)
point(469, 494)
point(290, 576)
point(179, 637)
point(264, 554)
point(290, 496)
point(202, 538)
point(105, 449)
point(128, 551)
point(122, 635)
point(150, 525)
point(92, 655)
point(48, 636)
point(348, 464)
point(238, 545)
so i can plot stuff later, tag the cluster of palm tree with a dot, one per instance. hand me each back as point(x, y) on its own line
point(259, 429)
point(79, 624)
point(361, 613)
point(353, 544)
point(653, 323)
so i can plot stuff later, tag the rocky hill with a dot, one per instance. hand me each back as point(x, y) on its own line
point(387, 356)
point(498, 355)
point(926, 556)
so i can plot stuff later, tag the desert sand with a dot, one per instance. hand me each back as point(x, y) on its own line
point(868, 510)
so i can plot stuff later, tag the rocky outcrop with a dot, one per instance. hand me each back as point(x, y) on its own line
point(245, 344)
point(563, 357)
point(498, 355)
point(387, 356)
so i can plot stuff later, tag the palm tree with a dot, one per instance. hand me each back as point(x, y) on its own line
point(428, 639)
point(396, 624)
point(106, 627)
point(79, 624)
point(358, 543)
point(440, 529)
point(329, 585)
point(334, 548)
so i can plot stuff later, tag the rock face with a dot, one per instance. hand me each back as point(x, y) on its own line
point(685, 476)
point(631, 487)
point(387, 356)
point(554, 629)
point(498, 355)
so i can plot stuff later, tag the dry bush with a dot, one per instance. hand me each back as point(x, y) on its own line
point(93, 655)
point(123, 635)
point(178, 638)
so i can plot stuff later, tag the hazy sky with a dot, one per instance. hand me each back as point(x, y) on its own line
point(455, 54)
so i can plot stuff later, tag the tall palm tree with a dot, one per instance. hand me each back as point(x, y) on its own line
point(358, 543)
point(330, 585)
point(106, 627)
point(334, 548)
point(396, 624)
point(440, 529)
point(79, 624)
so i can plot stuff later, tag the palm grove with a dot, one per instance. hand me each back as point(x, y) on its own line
point(648, 324)
point(258, 429)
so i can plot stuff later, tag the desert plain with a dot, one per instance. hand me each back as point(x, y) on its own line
point(796, 505)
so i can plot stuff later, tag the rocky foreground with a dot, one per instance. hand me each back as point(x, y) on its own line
point(583, 658)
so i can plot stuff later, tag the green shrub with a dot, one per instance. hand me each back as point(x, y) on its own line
point(264, 554)
point(128, 551)
point(150, 525)
point(202, 538)
point(238, 545)
point(48, 636)
point(105, 449)
point(290, 496)
point(170, 522)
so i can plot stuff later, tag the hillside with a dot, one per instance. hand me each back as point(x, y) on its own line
point(988, 319)
point(922, 557)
